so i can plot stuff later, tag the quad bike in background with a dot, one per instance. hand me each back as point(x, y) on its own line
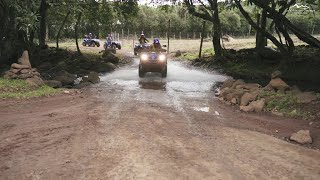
point(91, 42)
point(138, 48)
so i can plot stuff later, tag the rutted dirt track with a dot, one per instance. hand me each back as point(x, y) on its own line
point(131, 128)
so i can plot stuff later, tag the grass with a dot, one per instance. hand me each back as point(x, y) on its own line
point(284, 103)
point(21, 89)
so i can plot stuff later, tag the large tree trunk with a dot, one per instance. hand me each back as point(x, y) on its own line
point(43, 22)
point(302, 35)
point(216, 30)
point(61, 27)
point(257, 28)
point(261, 39)
point(76, 31)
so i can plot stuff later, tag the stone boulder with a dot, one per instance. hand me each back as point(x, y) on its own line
point(247, 108)
point(254, 106)
point(249, 86)
point(19, 66)
point(111, 58)
point(301, 137)
point(228, 83)
point(105, 67)
point(93, 77)
point(24, 59)
point(306, 97)
point(65, 78)
point(279, 84)
point(237, 82)
point(276, 74)
point(258, 105)
point(178, 54)
point(235, 93)
point(35, 81)
point(248, 97)
point(82, 85)
point(53, 83)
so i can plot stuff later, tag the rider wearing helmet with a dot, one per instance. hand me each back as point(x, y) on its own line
point(142, 39)
point(156, 46)
point(90, 36)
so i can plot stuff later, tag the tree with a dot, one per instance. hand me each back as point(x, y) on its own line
point(208, 12)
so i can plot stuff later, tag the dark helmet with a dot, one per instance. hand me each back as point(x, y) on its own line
point(156, 41)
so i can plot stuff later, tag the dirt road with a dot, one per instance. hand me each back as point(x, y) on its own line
point(149, 128)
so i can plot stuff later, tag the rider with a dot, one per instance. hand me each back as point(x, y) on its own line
point(109, 39)
point(142, 39)
point(90, 36)
point(156, 46)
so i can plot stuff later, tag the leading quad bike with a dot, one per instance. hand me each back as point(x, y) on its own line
point(153, 62)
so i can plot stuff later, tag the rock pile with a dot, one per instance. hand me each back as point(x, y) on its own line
point(237, 92)
point(249, 96)
point(23, 70)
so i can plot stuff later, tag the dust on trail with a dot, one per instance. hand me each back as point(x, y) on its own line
point(128, 127)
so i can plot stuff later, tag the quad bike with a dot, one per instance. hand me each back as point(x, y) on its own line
point(91, 42)
point(112, 44)
point(153, 62)
point(138, 48)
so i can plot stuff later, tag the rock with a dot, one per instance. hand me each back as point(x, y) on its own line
point(25, 71)
point(85, 79)
point(302, 137)
point(35, 81)
point(258, 105)
point(237, 82)
point(93, 77)
point(65, 78)
point(15, 71)
point(24, 76)
point(249, 86)
point(24, 60)
point(178, 53)
point(268, 88)
point(66, 92)
point(306, 97)
point(248, 108)
point(104, 67)
point(108, 51)
point(279, 84)
point(82, 85)
point(225, 91)
point(236, 93)
point(53, 83)
point(228, 83)
point(19, 66)
point(233, 101)
point(277, 113)
point(248, 97)
point(111, 58)
point(276, 74)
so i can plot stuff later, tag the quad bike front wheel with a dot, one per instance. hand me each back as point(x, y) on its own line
point(141, 72)
point(98, 44)
point(164, 73)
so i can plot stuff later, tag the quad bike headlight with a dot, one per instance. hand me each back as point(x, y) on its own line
point(144, 57)
point(162, 57)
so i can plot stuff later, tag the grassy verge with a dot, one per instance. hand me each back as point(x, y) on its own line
point(21, 89)
point(191, 56)
point(287, 105)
